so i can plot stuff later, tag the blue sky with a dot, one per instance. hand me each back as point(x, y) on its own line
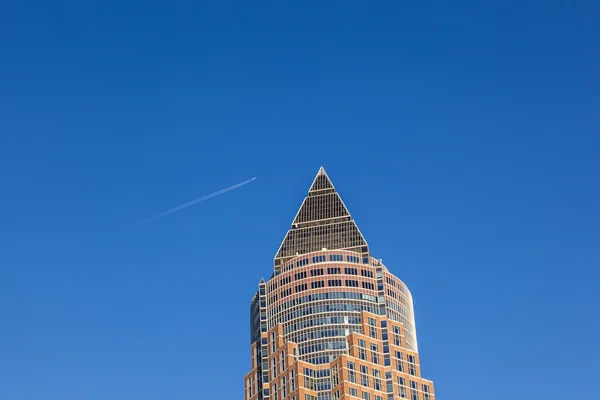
point(463, 136)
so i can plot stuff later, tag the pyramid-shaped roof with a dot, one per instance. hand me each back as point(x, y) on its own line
point(322, 222)
point(321, 183)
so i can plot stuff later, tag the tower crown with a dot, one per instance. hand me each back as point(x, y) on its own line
point(322, 222)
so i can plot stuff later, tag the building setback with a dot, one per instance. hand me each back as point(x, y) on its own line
point(332, 323)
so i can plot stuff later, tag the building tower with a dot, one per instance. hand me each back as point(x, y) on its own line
point(332, 323)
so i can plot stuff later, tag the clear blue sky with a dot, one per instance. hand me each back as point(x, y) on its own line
point(463, 136)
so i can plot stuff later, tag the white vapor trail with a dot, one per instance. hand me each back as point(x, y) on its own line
point(198, 200)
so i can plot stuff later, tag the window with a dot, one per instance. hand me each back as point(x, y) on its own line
point(335, 376)
point(352, 376)
point(285, 281)
point(364, 376)
point(301, 263)
point(334, 282)
point(351, 283)
point(282, 361)
point(376, 379)
point(372, 322)
point(301, 288)
point(426, 388)
point(386, 356)
point(400, 365)
point(318, 259)
point(352, 259)
point(362, 354)
point(300, 275)
point(292, 380)
point(336, 257)
point(366, 274)
point(283, 387)
point(249, 388)
point(287, 267)
point(316, 272)
point(399, 361)
point(351, 372)
point(362, 343)
point(366, 396)
point(368, 285)
point(353, 392)
point(402, 392)
point(317, 284)
point(350, 271)
point(374, 354)
point(334, 270)
point(397, 341)
point(411, 369)
point(373, 332)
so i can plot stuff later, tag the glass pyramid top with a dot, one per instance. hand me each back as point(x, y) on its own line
point(322, 222)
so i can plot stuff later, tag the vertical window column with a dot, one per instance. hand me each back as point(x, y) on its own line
point(264, 351)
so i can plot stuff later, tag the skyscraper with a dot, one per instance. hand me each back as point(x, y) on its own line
point(332, 323)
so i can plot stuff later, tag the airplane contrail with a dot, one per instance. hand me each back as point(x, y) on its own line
point(198, 200)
